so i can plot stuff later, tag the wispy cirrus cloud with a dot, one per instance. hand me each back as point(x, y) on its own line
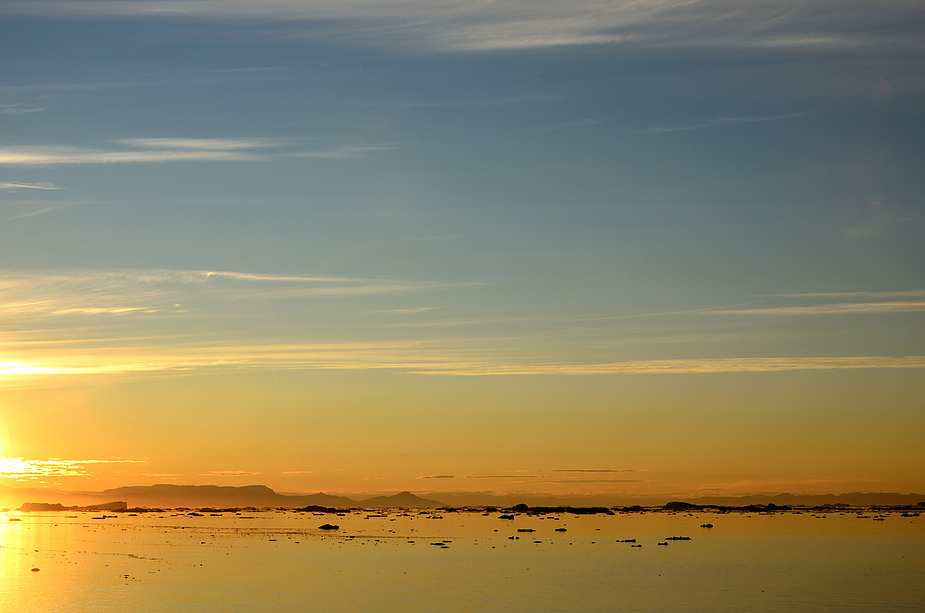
point(165, 150)
point(19, 109)
point(909, 293)
point(410, 311)
point(201, 144)
point(103, 323)
point(493, 101)
point(401, 357)
point(718, 122)
point(39, 186)
point(568, 125)
point(832, 303)
point(681, 366)
point(500, 476)
point(592, 481)
point(593, 470)
point(229, 473)
point(54, 155)
point(35, 213)
point(832, 309)
point(127, 291)
point(473, 25)
point(342, 152)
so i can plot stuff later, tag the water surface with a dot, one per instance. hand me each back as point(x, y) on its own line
point(460, 561)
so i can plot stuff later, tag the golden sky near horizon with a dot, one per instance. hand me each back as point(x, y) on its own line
point(349, 432)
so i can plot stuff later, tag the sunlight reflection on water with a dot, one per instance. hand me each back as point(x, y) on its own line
point(272, 561)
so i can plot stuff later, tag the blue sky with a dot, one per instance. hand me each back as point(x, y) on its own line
point(513, 188)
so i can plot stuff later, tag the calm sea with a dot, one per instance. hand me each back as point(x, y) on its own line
point(409, 561)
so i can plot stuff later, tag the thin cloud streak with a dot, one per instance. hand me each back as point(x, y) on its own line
point(830, 309)
point(164, 150)
point(40, 186)
point(910, 293)
point(55, 155)
point(592, 481)
point(96, 292)
point(692, 366)
point(717, 122)
point(50, 209)
point(594, 470)
point(567, 125)
point(16, 109)
point(463, 103)
point(412, 311)
point(202, 144)
point(400, 357)
point(342, 152)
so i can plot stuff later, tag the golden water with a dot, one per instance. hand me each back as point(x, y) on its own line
point(281, 561)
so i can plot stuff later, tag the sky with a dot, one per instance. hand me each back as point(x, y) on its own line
point(614, 248)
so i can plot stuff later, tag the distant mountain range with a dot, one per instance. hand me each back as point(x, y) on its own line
point(166, 496)
point(169, 496)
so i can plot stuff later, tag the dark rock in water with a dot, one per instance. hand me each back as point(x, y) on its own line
point(665, 544)
point(35, 570)
point(766, 508)
point(680, 506)
point(561, 530)
point(706, 525)
point(526, 530)
point(639, 545)
point(677, 538)
point(329, 527)
point(628, 541)
point(505, 517)
point(589, 510)
point(522, 508)
point(314, 508)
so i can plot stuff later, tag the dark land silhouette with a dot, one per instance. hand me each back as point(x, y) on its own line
point(260, 496)
point(167, 496)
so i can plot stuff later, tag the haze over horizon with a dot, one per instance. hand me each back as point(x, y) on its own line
point(597, 248)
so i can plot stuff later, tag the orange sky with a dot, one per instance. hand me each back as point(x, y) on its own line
point(827, 431)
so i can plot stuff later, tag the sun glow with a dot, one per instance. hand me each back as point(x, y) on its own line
point(20, 468)
point(27, 368)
